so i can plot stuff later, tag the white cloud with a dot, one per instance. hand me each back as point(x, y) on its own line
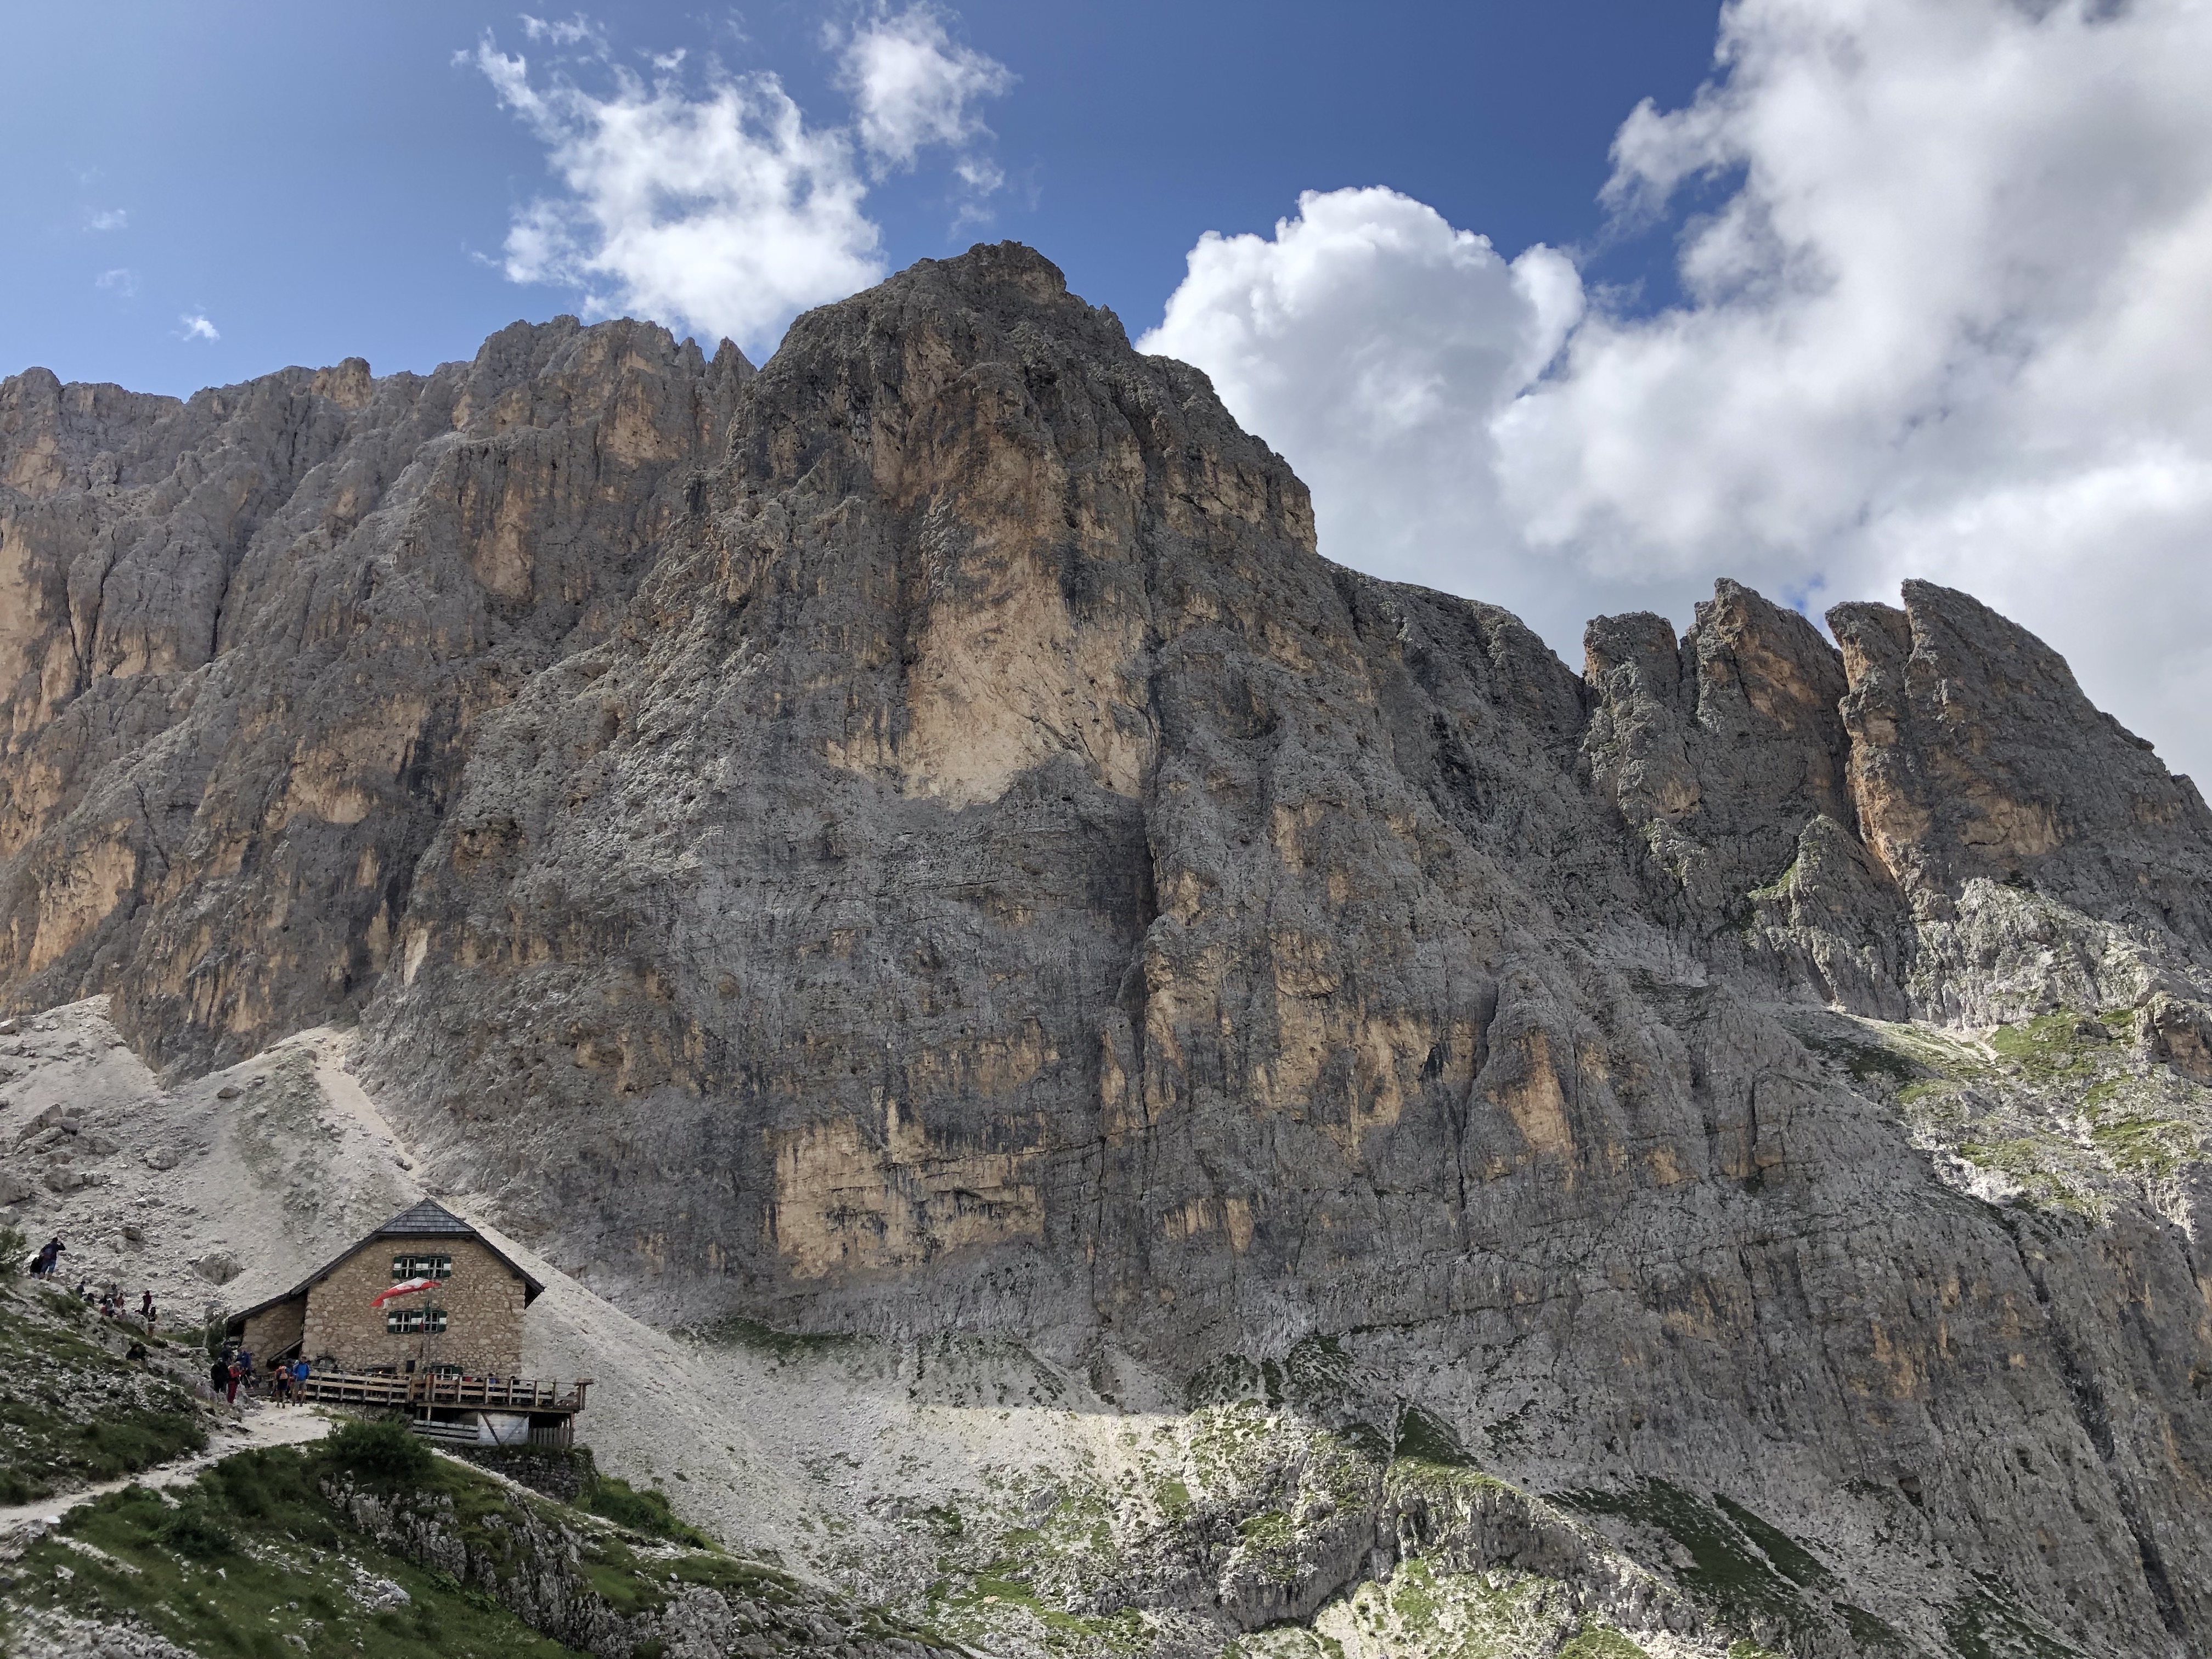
point(107, 219)
point(722, 210)
point(1374, 345)
point(913, 88)
point(1953, 320)
point(121, 281)
point(196, 327)
point(726, 213)
point(578, 31)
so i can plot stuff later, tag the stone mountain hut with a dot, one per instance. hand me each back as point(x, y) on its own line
point(470, 1321)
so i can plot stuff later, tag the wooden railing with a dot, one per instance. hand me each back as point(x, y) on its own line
point(508, 1394)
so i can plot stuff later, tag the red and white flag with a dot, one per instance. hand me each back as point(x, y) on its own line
point(405, 1287)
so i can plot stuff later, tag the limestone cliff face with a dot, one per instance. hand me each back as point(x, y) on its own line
point(244, 641)
point(915, 840)
point(1844, 818)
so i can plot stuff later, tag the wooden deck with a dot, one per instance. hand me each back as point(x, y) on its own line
point(422, 1391)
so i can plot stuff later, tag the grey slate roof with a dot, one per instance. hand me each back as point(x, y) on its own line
point(425, 1220)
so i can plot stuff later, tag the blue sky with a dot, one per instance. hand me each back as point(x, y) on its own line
point(1572, 307)
point(321, 182)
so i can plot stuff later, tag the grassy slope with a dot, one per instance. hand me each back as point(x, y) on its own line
point(72, 1412)
point(250, 1555)
point(255, 1559)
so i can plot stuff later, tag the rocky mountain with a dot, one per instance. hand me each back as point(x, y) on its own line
point(914, 843)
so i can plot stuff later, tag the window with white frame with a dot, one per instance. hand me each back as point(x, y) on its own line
point(420, 1266)
point(415, 1321)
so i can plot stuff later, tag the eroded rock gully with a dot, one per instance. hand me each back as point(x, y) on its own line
point(915, 839)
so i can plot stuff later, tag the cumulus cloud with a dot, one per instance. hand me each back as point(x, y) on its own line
point(107, 219)
point(122, 282)
point(913, 87)
point(718, 206)
point(725, 212)
point(1374, 346)
point(1952, 319)
point(196, 327)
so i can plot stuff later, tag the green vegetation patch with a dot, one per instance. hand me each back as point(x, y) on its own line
point(1424, 1608)
point(1316, 1375)
point(1780, 886)
point(1001, 1601)
point(786, 1347)
point(1602, 1641)
point(1231, 1446)
point(253, 1560)
point(2052, 1047)
point(1268, 1531)
point(1731, 1568)
point(1231, 1380)
point(2149, 1147)
point(2063, 1109)
point(1796, 1563)
point(1989, 1623)
point(72, 1410)
point(1441, 1482)
point(382, 1451)
point(647, 1511)
point(2038, 1164)
point(1425, 1437)
point(1875, 1636)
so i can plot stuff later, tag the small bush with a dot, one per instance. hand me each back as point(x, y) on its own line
point(256, 1484)
point(194, 1530)
point(646, 1511)
point(14, 1248)
point(384, 1450)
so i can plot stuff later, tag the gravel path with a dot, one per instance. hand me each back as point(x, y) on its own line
point(263, 1425)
